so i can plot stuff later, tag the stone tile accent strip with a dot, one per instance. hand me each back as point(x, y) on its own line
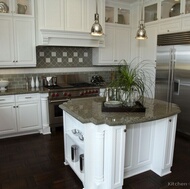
point(56, 57)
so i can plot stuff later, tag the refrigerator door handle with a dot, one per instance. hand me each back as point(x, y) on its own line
point(176, 86)
point(171, 76)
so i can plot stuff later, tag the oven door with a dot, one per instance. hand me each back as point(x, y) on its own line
point(56, 113)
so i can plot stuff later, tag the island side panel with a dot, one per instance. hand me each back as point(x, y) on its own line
point(164, 141)
point(103, 149)
point(150, 146)
point(139, 147)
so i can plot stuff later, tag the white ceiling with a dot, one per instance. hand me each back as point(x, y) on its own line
point(127, 1)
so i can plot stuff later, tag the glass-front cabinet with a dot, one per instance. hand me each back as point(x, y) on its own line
point(170, 8)
point(151, 13)
point(187, 6)
point(17, 7)
point(117, 15)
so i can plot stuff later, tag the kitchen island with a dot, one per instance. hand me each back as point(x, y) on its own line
point(103, 148)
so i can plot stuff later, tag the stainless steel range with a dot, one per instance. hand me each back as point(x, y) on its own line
point(62, 90)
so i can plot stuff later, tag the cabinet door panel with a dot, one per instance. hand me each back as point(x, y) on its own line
point(6, 41)
point(75, 15)
point(107, 53)
point(8, 119)
point(28, 116)
point(53, 14)
point(24, 41)
point(122, 44)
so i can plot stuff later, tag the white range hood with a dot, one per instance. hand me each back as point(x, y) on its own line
point(68, 38)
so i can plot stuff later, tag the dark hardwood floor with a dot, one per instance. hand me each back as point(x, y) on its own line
point(36, 162)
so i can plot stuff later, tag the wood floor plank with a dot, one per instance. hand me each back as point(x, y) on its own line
point(36, 162)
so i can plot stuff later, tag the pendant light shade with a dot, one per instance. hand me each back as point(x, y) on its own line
point(96, 29)
point(141, 32)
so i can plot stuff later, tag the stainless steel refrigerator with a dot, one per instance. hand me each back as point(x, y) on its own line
point(173, 75)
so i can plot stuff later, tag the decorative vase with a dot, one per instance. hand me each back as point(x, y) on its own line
point(32, 83)
point(128, 98)
point(37, 82)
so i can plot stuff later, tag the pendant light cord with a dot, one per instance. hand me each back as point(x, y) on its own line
point(96, 6)
point(142, 11)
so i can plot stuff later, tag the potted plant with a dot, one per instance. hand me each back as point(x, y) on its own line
point(130, 82)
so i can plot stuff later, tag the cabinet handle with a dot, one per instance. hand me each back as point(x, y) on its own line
point(168, 30)
point(28, 97)
point(125, 130)
point(16, 60)
point(15, 106)
point(2, 99)
point(170, 120)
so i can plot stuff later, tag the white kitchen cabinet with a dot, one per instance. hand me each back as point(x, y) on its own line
point(117, 46)
point(22, 8)
point(28, 112)
point(163, 149)
point(144, 150)
point(147, 50)
point(17, 38)
point(139, 145)
point(69, 15)
point(20, 114)
point(7, 115)
point(170, 26)
point(118, 13)
point(68, 22)
point(103, 149)
point(112, 153)
point(150, 12)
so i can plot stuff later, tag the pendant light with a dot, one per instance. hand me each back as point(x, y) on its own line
point(141, 32)
point(96, 29)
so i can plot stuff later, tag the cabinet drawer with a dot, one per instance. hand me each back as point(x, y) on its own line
point(27, 97)
point(7, 99)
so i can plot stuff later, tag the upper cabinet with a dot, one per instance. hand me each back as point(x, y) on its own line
point(68, 22)
point(114, 13)
point(17, 34)
point(171, 15)
point(17, 7)
point(69, 15)
point(171, 8)
point(117, 36)
point(151, 12)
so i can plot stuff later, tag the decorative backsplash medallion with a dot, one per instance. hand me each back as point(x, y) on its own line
point(55, 57)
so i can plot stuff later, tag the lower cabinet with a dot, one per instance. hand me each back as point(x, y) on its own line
point(20, 113)
point(7, 115)
point(95, 153)
point(150, 146)
point(102, 155)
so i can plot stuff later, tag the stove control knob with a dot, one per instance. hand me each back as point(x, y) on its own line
point(81, 93)
point(56, 94)
point(69, 94)
point(64, 94)
point(52, 95)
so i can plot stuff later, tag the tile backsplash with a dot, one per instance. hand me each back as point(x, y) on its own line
point(56, 57)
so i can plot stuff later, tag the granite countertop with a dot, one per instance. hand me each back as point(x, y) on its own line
point(90, 110)
point(23, 91)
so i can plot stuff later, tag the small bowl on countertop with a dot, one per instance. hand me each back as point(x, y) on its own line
point(3, 85)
